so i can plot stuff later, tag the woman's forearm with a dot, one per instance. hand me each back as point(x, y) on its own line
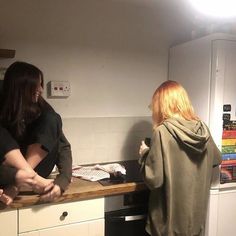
point(35, 154)
point(15, 159)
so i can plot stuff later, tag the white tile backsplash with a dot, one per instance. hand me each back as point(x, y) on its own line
point(105, 139)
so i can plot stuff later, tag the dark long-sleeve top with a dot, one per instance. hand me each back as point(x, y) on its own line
point(47, 131)
point(7, 144)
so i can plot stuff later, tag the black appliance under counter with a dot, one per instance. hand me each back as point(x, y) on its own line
point(126, 214)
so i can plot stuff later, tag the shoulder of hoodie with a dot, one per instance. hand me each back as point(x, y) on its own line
point(162, 126)
point(159, 129)
point(165, 123)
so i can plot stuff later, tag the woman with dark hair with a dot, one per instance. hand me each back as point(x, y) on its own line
point(35, 126)
point(178, 166)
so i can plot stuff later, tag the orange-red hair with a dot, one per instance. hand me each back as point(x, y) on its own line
point(171, 100)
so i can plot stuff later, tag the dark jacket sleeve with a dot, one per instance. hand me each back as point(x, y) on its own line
point(7, 143)
point(64, 163)
point(45, 130)
point(7, 175)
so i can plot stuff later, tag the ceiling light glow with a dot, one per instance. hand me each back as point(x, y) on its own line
point(216, 8)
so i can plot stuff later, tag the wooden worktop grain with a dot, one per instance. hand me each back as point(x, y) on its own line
point(79, 190)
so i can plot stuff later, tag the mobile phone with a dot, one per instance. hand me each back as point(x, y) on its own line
point(148, 141)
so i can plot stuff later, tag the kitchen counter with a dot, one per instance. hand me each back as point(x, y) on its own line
point(79, 190)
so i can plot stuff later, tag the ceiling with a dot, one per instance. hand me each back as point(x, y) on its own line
point(110, 22)
point(182, 22)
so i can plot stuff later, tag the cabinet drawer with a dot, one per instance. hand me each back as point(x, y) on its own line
point(8, 223)
point(88, 228)
point(51, 215)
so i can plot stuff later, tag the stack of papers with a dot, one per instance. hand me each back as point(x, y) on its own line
point(89, 173)
point(97, 172)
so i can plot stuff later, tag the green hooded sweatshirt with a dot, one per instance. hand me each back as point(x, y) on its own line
point(178, 170)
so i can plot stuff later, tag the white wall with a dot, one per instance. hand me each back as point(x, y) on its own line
point(107, 50)
point(103, 83)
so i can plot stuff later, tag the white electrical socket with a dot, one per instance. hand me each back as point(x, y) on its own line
point(58, 89)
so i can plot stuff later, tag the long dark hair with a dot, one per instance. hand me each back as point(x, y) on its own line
point(17, 106)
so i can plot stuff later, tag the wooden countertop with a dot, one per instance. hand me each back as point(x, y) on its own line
point(79, 190)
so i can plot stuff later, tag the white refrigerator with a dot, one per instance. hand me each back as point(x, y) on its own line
point(206, 67)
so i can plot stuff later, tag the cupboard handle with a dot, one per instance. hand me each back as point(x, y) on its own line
point(64, 214)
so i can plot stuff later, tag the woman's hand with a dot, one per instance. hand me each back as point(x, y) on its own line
point(3, 197)
point(143, 148)
point(41, 184)
point(25, 178)
point(51, 193)
point(8, 194)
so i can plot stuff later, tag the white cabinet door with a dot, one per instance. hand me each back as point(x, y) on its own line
point(212, 213)
point(8, 223)
point(88, 228)
point(226, 225)
point(227, 204)
point(229, 76)
point(96, 228)
point(190, 65)
point(70, 230)
point(223, 85)
point(34, 233)
point(52, 215)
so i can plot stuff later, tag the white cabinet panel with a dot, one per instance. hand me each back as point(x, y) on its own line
point(211, 221)
point(230, 76)
point(49, 215)
point(70, 230)
point(87, 228)
point(8, 221)
point(227, 213)
point(34, 233)
point(96, 228)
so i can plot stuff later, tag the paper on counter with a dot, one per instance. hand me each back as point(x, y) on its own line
point(98, 172)
point(112, 168)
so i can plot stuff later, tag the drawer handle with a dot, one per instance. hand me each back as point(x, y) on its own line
point(63, 215)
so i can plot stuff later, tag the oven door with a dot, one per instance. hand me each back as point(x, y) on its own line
point(124, 222)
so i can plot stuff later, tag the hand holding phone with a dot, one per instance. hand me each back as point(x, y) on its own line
point(148, 141)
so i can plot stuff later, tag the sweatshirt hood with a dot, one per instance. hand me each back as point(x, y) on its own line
point(191, 135)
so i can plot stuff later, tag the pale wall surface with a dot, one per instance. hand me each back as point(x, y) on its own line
point(108, 52)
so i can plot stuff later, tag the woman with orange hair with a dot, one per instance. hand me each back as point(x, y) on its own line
point(178, 165)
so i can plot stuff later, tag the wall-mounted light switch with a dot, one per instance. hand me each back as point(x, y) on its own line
point(58, 89)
